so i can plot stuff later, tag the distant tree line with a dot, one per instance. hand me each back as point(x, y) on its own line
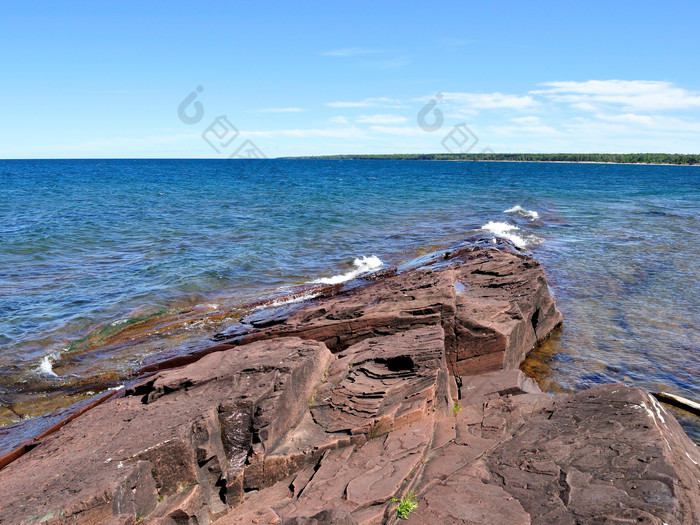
point(626, 158)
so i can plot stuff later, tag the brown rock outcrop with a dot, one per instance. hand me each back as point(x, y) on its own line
point(334, 412)
point(190, 427)
point(493, 307)
point(609, 454)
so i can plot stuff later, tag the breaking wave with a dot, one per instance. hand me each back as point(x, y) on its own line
point(362, 265)
point(508, 231)
point(532, 215)
point(45, 367)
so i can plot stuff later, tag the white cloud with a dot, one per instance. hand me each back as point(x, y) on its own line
point(350, 52)
point(380, 102)
point(522, 130)
point(381, 119)
point(404, 131)
point(496, 100)
point(585, 106)
point(338, 120)
point(654, 123)
point(627, 118)
point(645, 95)
point(280, 110)
point(345, 133)
point(526, 120)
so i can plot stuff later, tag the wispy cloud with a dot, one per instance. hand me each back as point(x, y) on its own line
point(381, 119)
point(654, 123)
point(350, 52)
point(644, 95)
point(343, 133)
point(280, 110)
point(529, 120)
point(627, 118)
point(338, 120)
point(495, 100)
point(522, 129)
point(380, 102)
point(404, 131)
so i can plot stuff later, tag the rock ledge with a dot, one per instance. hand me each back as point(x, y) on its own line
point(333, 412)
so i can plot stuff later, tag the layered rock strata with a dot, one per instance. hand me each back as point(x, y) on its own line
point(403, 389)
point(493, 307)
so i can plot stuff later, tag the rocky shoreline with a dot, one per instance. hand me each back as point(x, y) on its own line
point(398, 398)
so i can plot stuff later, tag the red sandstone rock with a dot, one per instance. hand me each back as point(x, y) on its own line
point(494, 307)
point(384, 383)
point(191, 426)
point(280, 430)
point(325, 517)
point(610, 454)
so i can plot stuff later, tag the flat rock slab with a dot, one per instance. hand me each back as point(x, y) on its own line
point(610, 454)
point(465, 498)
point(605, 455)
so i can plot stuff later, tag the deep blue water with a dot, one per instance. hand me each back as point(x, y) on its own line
point(106, 262)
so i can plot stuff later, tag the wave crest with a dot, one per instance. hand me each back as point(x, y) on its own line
point(362, 265)
point(506, 231)
point(532, 215)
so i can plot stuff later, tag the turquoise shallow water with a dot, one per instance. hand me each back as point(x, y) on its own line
point(104, 263)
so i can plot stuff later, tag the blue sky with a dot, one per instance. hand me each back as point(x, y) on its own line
point(105, 79)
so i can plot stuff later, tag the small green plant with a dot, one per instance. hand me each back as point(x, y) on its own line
point(407, 505)
point(456, 408)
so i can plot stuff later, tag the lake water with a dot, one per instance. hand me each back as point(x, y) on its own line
point(105, 264)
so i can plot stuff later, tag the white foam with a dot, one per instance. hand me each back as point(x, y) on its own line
point(362, 265)
point(532, 215)
point(291, 300)
point(45, 367)
point(499, 228)
point(503, 230)
point(507, 231)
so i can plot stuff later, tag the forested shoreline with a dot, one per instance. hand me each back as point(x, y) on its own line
point(616, 158)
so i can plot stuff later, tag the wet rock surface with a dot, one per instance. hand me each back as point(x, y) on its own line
point(403, 389)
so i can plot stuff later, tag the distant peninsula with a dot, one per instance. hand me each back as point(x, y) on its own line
point(607, 158)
